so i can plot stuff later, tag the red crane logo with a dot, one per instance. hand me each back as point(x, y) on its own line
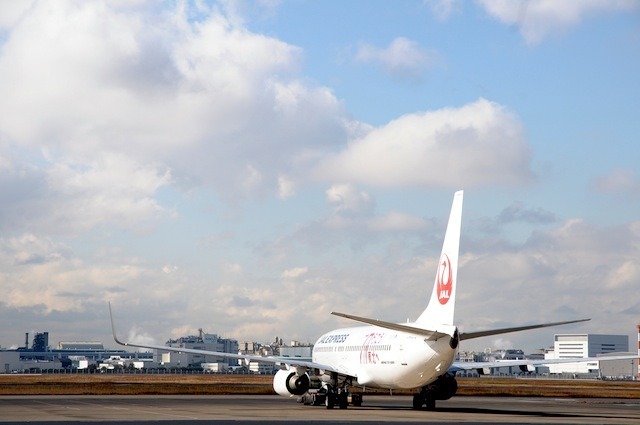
point(444, 279)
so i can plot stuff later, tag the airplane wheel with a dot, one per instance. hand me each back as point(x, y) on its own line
point(356, 399)
point(431, 404)
point(418, 401)
point(343, 401)
point(330, 400)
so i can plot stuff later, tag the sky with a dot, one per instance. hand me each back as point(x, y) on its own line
point(247, 167)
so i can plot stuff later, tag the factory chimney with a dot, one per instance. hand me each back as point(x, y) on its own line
point(26, 339)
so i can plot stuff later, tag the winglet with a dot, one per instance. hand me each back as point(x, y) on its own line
point(113, 327)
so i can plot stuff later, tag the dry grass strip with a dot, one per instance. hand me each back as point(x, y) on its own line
point(113, 384)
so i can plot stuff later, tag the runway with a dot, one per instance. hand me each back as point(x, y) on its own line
point(176, 410)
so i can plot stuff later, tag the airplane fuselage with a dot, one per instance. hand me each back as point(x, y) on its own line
point(383, 358)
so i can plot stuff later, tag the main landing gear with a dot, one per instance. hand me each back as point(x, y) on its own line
point(332, 394)
point(423, 398)
point(341, 397)
point(330, 398)
point(442, 389)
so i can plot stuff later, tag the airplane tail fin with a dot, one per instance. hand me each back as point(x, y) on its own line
point(441, 305)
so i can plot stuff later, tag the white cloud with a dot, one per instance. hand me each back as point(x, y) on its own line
point(29, 249)
point(233, 268)
point(518, 212)
point(443, 8)
point(139, 336)
point(403, 58)
point(37, 272)
point(625, 275)
point(69, 197)
point(502, 344)
point(538, 19)
point(286, 187)
point(294, 272)
point(478, 144)
point(573, 271)
point(395, 220)
point(346, 199)
point(620, 181)
point(208, 99)
point(12, 11)
point(168, 268)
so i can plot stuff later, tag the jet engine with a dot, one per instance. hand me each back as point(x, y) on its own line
point(288, 383)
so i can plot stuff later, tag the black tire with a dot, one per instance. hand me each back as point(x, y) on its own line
point(330, 400)
point(356, 400)
point(343, 400)
point(418, 401)
point(431, 403)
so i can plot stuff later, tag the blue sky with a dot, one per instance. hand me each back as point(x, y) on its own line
point(249, 167)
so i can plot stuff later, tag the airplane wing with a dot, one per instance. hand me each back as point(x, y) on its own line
point(273, 360)
point(458, 366)
point(431, 335)
point(471, 335)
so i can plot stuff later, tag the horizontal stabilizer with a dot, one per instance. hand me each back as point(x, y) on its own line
point(432, 335)
point(471, 335)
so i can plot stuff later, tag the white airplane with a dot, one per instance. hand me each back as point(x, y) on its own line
point(414, 355)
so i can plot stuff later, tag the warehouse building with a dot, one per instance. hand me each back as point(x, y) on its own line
point(575, 346)
point(619, 369)
point(9, 361)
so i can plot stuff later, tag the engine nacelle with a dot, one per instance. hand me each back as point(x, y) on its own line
point(288, 383)
point(527, 368)
point(483, 371)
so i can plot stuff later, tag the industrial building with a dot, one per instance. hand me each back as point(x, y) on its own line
point(575, 346)
point(67, 355)
point(10, 361)
point(203, 341)
point(92, 354)
point(41, 341)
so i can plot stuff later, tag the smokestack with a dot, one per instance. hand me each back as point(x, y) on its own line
point(26, 340)
point(638, 351)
